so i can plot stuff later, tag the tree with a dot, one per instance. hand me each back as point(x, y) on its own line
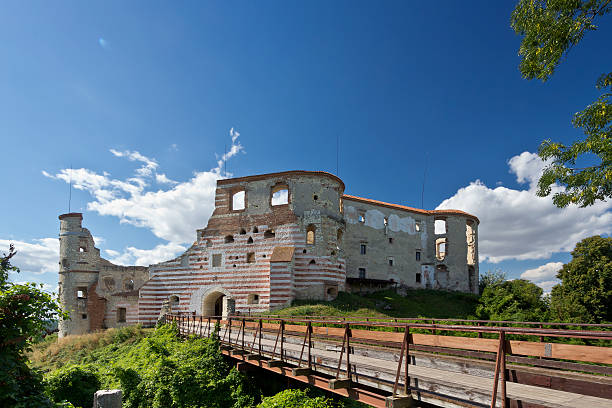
point(491, 278)
point(517, 300)
point(585, 292)
point(550, 29)
point(24, 311)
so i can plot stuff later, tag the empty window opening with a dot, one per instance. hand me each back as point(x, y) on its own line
point(250, 240)
point(269, 234)
point(440, 226)
point(418, 277)
point(333, 253)
point(84, 316)
point(390, 240)
point(250, 257)
point(339, 235)
point(82, 249)
point(264, 255)
point(386, 221)
point(315, 197)
point(341, 205)
point(121, 315)
point(417, 226)
point(362, 249)
point(418, 255)
point(253, 299)
point(242, 231)
point(82, 292)
point(332, 293)
point(362, 218)
point(310, 234)
point(304, 251)
point(390, 260)
point(128, 285)
point(362, 273)
point(216, 260)
point(441, 248)
point(470, 235)
point(238, 200)
point(280, 195)
point(255, 230)
point(229, 239)
point(312, 262)
point(174, 301)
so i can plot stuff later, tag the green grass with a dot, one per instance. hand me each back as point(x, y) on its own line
point(417, 303)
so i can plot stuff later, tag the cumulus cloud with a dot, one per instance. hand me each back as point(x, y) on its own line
point(517, 224)
point(37, 257)
point(544, 275)
point(172, 214)
point(145, 257)
point(542, 272)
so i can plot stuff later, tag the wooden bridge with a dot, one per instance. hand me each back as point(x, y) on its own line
point(447, 363)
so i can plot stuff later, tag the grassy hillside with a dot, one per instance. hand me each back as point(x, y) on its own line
point(417, 303)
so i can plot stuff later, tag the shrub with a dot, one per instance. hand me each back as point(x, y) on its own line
point(295, 399)
point(76, 384)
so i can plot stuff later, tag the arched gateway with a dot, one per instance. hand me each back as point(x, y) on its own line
point(212, 301)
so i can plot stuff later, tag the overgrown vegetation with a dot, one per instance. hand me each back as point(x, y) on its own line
point(24, 311)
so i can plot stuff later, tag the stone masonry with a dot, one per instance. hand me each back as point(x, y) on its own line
point(271, 239)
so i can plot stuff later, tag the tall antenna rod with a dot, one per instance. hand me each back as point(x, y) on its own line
point(337, 153)
point(423, 188)
point(70, 188)
point(225, 159)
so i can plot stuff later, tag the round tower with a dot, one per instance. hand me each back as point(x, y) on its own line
point(76, 273)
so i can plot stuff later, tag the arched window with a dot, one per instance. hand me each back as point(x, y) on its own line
point(255, 230)
point(242, 231)
point(238, 200)
point(250, 240)
point(128, 285)
point(229, 239)
point(310, 234)
point(312, 262)
point(174, 301)
point(440, 226)
point(280, 195)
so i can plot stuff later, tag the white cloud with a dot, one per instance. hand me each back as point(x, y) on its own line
point(163, 179)
point(145, 257)
point(517, 224)
point(546, 271)
point(39, 257)
point(172, 214)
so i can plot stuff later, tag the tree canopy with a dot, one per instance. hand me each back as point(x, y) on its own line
point(585, 292)
point(550, 28)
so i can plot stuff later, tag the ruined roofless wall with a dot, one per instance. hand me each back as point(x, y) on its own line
point(84, 290)
point(253, 252)
point(388, 242)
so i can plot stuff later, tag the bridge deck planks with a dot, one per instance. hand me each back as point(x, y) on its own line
point(523, 392)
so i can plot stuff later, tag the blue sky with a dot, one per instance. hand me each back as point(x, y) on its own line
point(139, 98)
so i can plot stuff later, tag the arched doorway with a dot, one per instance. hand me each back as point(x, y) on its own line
point(212, 304)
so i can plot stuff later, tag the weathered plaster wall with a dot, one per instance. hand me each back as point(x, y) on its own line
point(393, 235)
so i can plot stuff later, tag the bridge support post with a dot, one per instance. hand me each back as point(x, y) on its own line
point(339, 383)
point(399, 401)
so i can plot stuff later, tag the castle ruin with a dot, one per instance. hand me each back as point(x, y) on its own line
point(272, 238)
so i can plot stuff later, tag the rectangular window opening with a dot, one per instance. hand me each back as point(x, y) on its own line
point(216, 260)
point(390, 261)
point(121, 314)
point(362, 273)
point(250, 257)
point(390, 240)
point(418, 278)
point(418, 255)
point(82, 292)
point(362, 249)
point(84, 316)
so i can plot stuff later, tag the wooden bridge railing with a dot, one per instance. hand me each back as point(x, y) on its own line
point(406, 335)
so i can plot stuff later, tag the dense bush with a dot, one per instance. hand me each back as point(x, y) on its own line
point(295, 399)
point(25, 310)
point(518, 300)
point(75, 383)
